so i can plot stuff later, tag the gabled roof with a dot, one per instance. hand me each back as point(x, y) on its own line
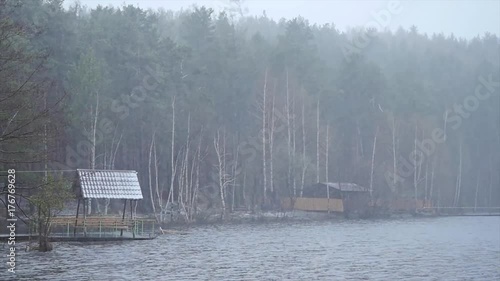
point(346, 186)
point(111, 184)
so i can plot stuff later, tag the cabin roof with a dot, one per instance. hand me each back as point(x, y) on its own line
point(110, 184)
point(345, 186)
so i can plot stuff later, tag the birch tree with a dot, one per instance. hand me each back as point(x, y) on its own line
point(373, 164)
point(317, 141)
point(326, 164)
point(223, 177)
point(304, 161)
point(264, 131)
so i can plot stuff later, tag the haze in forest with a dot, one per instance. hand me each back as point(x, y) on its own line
point(466, 19)
point(218, 112)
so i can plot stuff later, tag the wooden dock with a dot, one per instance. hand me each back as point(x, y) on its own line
point(98, 228)
point(93, 237)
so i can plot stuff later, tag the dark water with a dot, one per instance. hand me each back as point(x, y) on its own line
point(448, 248)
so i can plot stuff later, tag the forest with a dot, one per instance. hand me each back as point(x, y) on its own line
point(223, 111)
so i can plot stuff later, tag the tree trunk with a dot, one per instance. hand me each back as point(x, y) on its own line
point(235, 167)
point(292, 166)
point(360, 140)
point(431, 192)
point(415, 167)
point(93, 149)
point(426, 183)
point(304, 165)
point(317, 142)
point(149, 174)
point(264, 164)
point(326, 166)
point(289, 139)
point(271, 145)
point(490, 184)
point(159, 195)
point(459, 178)
point(173, 168)
point(224, 178)
point(197, 184)
point(373, 165)
point(477, 190)
point(243, 188)
point(394, 161)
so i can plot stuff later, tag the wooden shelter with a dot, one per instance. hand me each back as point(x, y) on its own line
point(105, 184)
point(334, 197)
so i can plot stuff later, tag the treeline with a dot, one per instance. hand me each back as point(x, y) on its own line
point(223, 111)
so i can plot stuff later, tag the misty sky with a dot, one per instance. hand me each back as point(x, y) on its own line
point(462, 18)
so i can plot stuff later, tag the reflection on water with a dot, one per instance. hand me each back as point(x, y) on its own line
point(449, 248)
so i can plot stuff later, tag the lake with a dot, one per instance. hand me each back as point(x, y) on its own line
point(442, 248)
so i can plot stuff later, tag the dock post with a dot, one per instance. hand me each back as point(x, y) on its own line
point(123, 217)
point(84, 218)
point(76, 220)
point(132, 219)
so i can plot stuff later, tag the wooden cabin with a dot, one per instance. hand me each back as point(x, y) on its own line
point(333, 197)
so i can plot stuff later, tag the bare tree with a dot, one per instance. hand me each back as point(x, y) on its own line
point(173, 167)
point(304, 164)
point(490, 184)
point(426, 197)
point(373, 164)
point(149, 173)
point(394, 153)
point(415, 168)
point(264, 131)
point(326, 165)
point(359, 141)
point(433, 168)
point(294, 133)
point(317, 141)
point(459, 178)
point(271, 144)
point(197, 181)
point(234, 176)
point(223, 177)
point(95, 116)
point(289, 139)
point(477, 189)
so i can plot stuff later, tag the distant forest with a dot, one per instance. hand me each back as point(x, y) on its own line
point(225, 111)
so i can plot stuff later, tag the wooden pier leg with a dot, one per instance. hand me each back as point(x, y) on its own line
point(76, 220)
point(84, 217)
point(123, 218)
point(132, 218)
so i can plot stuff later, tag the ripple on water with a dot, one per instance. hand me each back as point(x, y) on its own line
point(451, 248)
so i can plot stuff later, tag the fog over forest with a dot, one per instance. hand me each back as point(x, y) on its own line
point(195, 93)
point(342, 126)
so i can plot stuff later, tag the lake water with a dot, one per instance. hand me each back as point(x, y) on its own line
point(445, 248)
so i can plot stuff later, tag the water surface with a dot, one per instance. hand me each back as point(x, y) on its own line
point(446, 248)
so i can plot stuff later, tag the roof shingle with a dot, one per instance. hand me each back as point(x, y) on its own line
point(110, 184)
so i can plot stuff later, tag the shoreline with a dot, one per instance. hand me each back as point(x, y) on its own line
point(268, 217)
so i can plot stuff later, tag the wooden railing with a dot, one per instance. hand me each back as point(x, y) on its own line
point(103, 222)
point(101, 225)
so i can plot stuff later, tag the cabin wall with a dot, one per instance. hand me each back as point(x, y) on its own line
point(314, 204)
point(356, 202)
